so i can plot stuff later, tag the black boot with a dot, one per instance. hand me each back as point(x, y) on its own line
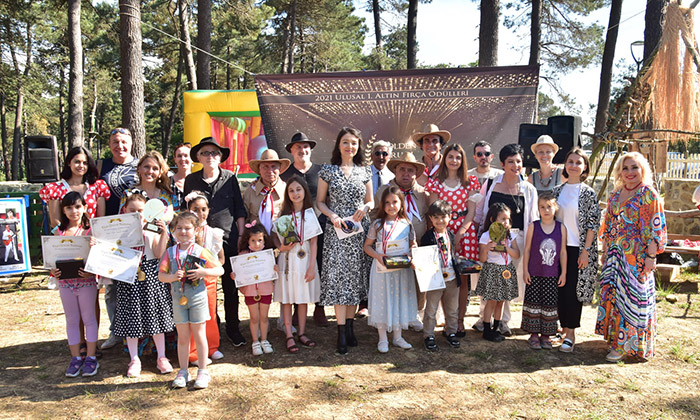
point(350, 333)
point(487, 331)
point(342, 343)
point(496, 336)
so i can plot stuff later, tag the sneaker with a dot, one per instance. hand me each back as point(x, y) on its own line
point(613, 356)
point(202, 380)
point(453, 340)
point(362, 313)
point(430, 343)
point(164, 366)
point(236, 338)
point(257, 349)
point(567, 346)
point(266, 346)
point(479, 326)
point(110, 342)
point(90, 366)
point(181, 379)
point(196, 362)
point(416, 325)
point(504, 329)
point(217, 355)
point(383, 347)
point(134, 370)
point(401, 343)
point(76, 365)
point(461, 333)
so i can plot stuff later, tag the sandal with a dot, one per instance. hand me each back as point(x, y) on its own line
point(534, 342)
point(306, 341)
point(546, 342)
point(293, 348)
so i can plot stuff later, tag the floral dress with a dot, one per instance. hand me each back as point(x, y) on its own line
point(345, 268)
point(57, 190)
point(457, 197)
point(627, 311)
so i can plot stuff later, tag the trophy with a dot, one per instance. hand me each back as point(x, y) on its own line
point(497, 233)
point(154, 210)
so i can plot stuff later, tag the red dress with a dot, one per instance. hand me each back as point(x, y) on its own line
point(457, 197)
point(57, 190)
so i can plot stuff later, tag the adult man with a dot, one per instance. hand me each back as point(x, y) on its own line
point(263, 198)
point(483, 157)
point(226, 211)
point(381, 154)
point(119, 172)
point(431, 140)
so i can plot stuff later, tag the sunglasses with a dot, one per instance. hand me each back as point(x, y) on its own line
point(483, 154)
point(382, 154)
point(212, 153)
point(120, 131)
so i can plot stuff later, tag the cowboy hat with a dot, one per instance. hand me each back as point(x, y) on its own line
point(544, 140)
point(269, 155)
point(431, 129)
point(406, 158)
point(225, 152)
point(299, 138)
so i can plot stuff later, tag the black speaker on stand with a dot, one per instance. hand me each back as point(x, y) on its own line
point(528, 135)
point(42, 158)
point(566, 133)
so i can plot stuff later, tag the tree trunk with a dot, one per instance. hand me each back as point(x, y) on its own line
point(75, 78)
point(376, 11)
point(61, 113)
point(488, 33)
point(203, 43)
point(535, 32)
point(132, 74)
point(185, 30)
point(653, 24)
point(167, 137)
point(3, 135)
point(93, 117)
point(285, 46)
point(292, 30)
point(228, 69)
point(601, 116)
point(412, 42)
point(17, 133)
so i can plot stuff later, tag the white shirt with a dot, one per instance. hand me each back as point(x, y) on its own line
point(500, 258)
point(387, 176)
point(492, 173)
point(568, 212)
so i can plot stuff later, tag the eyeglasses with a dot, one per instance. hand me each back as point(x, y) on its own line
point(483, 154)
point(382, 154)
point(212, 153)
point(120, 130)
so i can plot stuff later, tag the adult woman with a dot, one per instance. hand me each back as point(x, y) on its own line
point(431, 140)
point(183, 161)
point(633, 233)
point(579, 212)
point(549, 175)
point(344, 276)
point(153, 179)
point(79, 174)
point(455, 186)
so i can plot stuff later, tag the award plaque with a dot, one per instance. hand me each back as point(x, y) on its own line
point(467, 266)
point(153, 210)
point(497, 233)
point(398, 261)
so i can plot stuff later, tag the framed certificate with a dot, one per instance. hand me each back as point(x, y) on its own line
point(57, 248)
point(312, 227)
point(426, 259)
point(255, 267)
point(114, 261)
point(122, 229)
point(15, 236)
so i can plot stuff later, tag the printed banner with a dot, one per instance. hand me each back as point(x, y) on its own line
point(15, 237)
point(480, 103)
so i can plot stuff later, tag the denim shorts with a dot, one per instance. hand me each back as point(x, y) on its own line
point(196, 310)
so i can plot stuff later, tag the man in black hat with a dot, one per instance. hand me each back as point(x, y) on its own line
point(226, 211)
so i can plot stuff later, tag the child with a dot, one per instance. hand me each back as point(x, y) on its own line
point(78, 295)
point(212, 241)
point(544, 257)
point(498, 280)
point(392, 294)
point(258, 296)
point(299, 280)
point(145, 307)
point(189, 295)
point(440, 213)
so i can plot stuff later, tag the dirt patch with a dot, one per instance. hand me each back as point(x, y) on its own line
point(480, 380)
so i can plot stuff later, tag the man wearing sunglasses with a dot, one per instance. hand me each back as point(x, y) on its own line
point(381, 154)
point(483, 157)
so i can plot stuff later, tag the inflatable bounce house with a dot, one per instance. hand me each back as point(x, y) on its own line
point(232, 117)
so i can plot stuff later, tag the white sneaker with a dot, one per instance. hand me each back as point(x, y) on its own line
point(110, 342)
point(383, 347)
point(400, 342)
point(416, 325)
point(504, 329)
point(613, 356)
point(217, 355)
point(266, 346)
point(196, 362)
point(257, 349)
point(280, 326)
point(202, 380)
point(479, 326)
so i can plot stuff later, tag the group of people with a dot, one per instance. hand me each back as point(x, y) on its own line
point(536, 239)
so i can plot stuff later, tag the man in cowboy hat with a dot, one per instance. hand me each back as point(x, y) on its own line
point(431, 140)
point(263, 199)
point(226, 211)
point(381, 154)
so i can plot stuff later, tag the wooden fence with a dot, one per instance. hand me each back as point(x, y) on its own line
point(677, 166)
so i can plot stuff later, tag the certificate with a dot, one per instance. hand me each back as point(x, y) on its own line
point(122, 229)
point(353, 228)
point(311, 226)
point(426, 259)
point(114, 261)
point(255, 267)
point(56, 248)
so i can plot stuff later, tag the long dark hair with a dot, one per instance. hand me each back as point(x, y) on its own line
point(358, 159)
point(381, 214)
point(461, 172)
point(71, 199)
point(91, 174)
point(249, 231)
point(287, 205)
point(492, 215)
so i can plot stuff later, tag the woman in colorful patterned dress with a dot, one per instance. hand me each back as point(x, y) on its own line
point(455, 186)
point(633, 233)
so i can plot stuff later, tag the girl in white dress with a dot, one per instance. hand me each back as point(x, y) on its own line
point(392, 294)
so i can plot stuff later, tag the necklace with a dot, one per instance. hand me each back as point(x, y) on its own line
point(549, 180)
point(633, 188)
point(515, 202)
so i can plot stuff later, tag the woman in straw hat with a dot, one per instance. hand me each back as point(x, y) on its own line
point(549, 175)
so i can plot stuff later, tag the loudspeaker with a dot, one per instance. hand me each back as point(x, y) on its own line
point(566, 133)
point(528, 135)
point(42, 158)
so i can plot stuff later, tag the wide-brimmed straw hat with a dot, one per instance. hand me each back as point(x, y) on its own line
point(544, 140)
point(299, 138)
point(431, 129)
point(225, 152)
point(269, 155)
point(406, 158)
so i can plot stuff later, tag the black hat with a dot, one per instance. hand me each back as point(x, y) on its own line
point(225, 152)
point(299, 138)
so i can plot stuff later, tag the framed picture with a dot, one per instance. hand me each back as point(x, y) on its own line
point(14, 252)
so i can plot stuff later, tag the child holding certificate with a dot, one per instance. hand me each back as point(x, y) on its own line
point(498, 281)
point(144, 308)
point(392, 292)
point(440, 214)
point(299, 280)
point(258, 296)
point(186, 265)
point(78, 294)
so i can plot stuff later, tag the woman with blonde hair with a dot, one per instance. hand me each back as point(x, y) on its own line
point(153, 180)
point(633, 234)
